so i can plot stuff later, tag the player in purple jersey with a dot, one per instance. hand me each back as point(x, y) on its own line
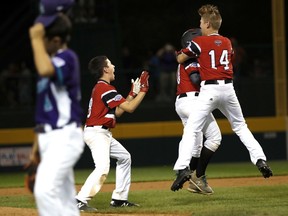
point(58, 115)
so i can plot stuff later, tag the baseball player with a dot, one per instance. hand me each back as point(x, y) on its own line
point(217, 92)
point(58, 115)
point(187, 93)
point(105, 105)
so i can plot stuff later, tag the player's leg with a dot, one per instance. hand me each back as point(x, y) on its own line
point(183, 108)
point(197, 118)
point(98, 140)
point(74, 150)
point(68, 191)
point(58, 156)
point(123, 175)
point(232, 110)
point(196, 151)
point(213, 139)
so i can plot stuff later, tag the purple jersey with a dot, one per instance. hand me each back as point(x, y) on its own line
point(59, 97)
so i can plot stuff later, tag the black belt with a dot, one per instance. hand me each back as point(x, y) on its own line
point(185, 95)
point(103, 126)
point(207, 82)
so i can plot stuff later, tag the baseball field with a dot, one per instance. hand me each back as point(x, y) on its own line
point(239, 190)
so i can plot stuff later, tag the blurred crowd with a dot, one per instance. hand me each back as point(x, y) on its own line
point(17, 80)
point(16, 83)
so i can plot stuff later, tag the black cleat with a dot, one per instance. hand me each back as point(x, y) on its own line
point(182, 176)
point(122, 203)
point(264, 168)
point(84, 207)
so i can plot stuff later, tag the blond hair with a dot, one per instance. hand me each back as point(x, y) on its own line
point(211, 14)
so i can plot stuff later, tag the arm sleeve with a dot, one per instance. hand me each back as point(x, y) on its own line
point(195, 77)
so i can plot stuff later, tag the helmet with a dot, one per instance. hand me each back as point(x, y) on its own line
point(189, 35)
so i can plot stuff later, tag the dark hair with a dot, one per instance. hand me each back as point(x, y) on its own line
point(61, 27)
point(96, 66)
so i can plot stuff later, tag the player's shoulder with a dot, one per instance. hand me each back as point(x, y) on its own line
point(65, 56)
point(104, 86)
point(218, 40)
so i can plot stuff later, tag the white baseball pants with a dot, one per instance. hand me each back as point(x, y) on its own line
point(210, 130)
point(222, 97)
point(54, 186)
point(103, 146)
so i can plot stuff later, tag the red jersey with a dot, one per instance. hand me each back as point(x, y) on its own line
point(184, 84)
point(102, 105)
point(214, 54)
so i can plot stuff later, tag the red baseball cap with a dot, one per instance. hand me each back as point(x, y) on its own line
point(50, 8)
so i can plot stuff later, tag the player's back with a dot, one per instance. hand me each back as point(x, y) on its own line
point(215, 57)
point(184, 83)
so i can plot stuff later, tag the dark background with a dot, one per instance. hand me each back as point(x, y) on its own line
point(142, 27)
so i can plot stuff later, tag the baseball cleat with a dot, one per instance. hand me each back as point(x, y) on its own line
point(201, 184)
point(182, 176)
point(264, 168)
point(122, 203)
point(193, 189)
point(84, 207)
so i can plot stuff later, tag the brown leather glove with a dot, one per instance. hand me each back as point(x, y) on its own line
point(31, 167)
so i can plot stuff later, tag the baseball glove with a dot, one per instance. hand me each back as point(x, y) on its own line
point(189, 35)
point(31, 167)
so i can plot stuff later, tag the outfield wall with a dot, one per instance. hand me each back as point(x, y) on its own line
point(156, 143)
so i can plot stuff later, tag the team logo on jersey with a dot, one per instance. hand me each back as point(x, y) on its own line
point(218, 42)
point(194, 64)
point(118, 97)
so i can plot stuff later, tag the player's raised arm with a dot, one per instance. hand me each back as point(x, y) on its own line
point(130, 106)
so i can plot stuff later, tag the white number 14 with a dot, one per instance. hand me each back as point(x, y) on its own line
point(223, 59)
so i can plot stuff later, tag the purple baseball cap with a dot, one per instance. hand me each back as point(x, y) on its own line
point(50, 8)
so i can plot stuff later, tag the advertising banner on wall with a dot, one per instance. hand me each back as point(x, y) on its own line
point(14, 156)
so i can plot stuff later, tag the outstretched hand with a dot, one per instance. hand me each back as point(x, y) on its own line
point(135, 87)
point(144, 83)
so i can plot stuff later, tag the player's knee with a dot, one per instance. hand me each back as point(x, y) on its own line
point(212, 145)
point(237, 128)
point(43, 193)
point(125, 159)
point(196, 151)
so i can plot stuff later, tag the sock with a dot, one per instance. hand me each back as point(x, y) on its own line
point(204, 159)
point(194, 163)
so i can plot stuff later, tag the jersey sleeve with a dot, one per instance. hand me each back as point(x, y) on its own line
point(112, 98)
point(191, 65)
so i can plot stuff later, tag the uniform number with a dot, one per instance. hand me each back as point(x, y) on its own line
point(223, 59)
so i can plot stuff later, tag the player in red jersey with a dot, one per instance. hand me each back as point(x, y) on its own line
point(214, 52)
point(105, 105)
point(187, 92)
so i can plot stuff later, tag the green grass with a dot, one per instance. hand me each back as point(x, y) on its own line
point(230, 201)
point(214, 170)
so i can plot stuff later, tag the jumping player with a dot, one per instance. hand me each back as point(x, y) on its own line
point(214, 54)
point(187, 92)
point(105, 105)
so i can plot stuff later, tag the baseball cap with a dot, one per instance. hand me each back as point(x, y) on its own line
point(50, 8)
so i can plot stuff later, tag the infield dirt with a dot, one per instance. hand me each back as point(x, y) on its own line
point(160, 185)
